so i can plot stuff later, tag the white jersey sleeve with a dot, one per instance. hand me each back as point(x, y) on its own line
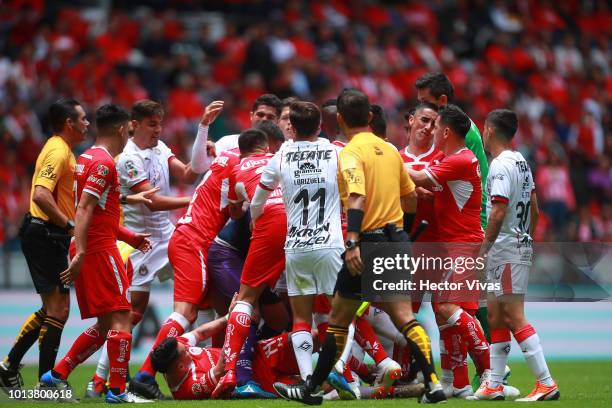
point(131, 170)
point(271, 176)
point(226, 143)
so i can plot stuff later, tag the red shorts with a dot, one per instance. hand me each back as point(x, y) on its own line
point(274, 361)
point(188, 259)
point(266, 258)
point(102, 286)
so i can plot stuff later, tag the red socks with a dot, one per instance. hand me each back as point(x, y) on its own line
point(174, 326)
point(84, 346)
point(472, 334)
point(119, 345)
point(238, 327)
point(455, 358)
point(368, 341)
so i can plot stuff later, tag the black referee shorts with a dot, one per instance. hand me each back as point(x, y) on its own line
point(45, 247)
point(349, 286)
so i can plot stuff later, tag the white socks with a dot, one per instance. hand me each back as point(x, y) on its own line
point(302, 348)
point(499, 358)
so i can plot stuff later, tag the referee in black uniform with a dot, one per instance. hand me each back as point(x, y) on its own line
point(376, 190)
point(45, 237)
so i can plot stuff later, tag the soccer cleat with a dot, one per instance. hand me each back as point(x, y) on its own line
point(338, 381)
point(225, 386)
point(511, 392)
point(434, 396)
point(10, 379)
point(484, 392)
point(48, 381)
point(126, 397)
point(542, 392)
point(252, 390)
point(96, 388)
point(298, 392)
point(387, 372)
point(462, 393)
point(146, 387)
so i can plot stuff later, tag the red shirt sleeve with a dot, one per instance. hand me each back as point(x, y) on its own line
point(99, 177)
point(448, 169)
point(231, 194)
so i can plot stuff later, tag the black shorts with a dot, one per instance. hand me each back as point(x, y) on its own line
point(45, 248)
point(349, 286)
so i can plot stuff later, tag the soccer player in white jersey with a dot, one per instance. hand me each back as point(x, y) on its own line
point(512, 211)
point(145, 163)
point(306, 172)
point(265, 107)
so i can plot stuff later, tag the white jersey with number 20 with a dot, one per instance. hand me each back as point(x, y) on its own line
point(307, 174)
point(510, 181)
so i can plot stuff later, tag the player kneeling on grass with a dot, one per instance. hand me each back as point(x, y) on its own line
point(512, 209)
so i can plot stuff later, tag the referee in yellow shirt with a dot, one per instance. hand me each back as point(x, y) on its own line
point(45, 238)
point(376, 190)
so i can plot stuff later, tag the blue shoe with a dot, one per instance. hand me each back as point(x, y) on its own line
point(252, 390)
point(126, 397)
point(338, 381)
point(48, 381)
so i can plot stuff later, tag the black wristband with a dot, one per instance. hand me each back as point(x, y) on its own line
point(408, 221)
point(123, 199)
point(354, 218)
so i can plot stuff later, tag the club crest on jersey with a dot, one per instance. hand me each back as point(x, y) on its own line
point(131, 169)
point(102, 170)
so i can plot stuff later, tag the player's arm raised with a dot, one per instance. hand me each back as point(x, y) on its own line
point(188, 173)
point(83, 217)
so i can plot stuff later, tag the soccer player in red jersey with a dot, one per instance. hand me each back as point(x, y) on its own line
point(96, 268)
point(266, 257)
point(457, 209)
point(188, 254)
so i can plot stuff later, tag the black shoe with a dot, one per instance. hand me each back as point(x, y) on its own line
point(10, 379)
point(434, 396)
point(147, 390)
point(298, 392)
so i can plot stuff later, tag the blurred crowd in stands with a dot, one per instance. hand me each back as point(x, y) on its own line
point(548, 60)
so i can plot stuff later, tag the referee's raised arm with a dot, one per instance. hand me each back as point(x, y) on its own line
point(45, 237)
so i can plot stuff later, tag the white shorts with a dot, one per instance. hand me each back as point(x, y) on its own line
point(509, 278)
point(314, 272)
point(281, 283)
point(147, 266)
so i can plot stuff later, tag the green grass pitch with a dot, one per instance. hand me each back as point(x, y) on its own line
point(582, 384)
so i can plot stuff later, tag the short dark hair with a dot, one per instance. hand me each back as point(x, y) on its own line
point(110, 115)
point(146, 108)
point(354, 106)
point(271, 129)
point(60, 110)
point(251, 139)
point(289, 100)
point(504, 121)
point(268, 100)
point(305, 118)
point(164, 355)
point(420, 106)
point(379, 121)
point(452, 116)
point(438, 85)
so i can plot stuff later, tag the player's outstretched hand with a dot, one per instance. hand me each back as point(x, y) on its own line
point(424, 194)
point(74, 268)
point(211, 112)
point(144, 197)
point(352, 257)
